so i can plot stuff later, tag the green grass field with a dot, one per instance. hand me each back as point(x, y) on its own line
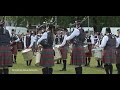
point(21, 68)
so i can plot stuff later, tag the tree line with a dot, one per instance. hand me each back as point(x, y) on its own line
point(64, 21)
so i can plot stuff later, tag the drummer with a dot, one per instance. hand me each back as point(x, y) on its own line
point(118, 53)
point(47, 54)
point(28, 43)
point(90, 42)
point(33, 37)
point(97, 43)
point(37, 37)
point(64, 49)
point(14, 39)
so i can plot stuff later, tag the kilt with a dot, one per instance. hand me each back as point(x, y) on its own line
point(6, 56)
point(14, 49)
point(109, 56)
point(89, 54)
point(47, 57)
point(64, 51)
point(78, 55)
point(19, 46)
point(118, 56)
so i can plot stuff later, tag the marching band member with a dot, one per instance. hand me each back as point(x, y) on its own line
point(97, 39)
point(37, 37)
point(33, 37)
point(64, 50)
point(14, 40)
point(118, 53)
point(90, 42)
point(78, 53)
point(109, 55)
point(5, 50)
point(47, 54)
point(28, 43)
point(38, 50)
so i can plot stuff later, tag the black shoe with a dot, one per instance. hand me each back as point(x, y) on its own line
point(106, 68)
point(1, 71)
point(27, 63)
point(78, 70)
point(45, 70)
point(50, 70)
point(111, 69)
point(6, 71)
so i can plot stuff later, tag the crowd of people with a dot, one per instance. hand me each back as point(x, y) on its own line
point(47, 37)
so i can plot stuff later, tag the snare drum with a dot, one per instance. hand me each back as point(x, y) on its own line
point(57, 54)
point(27, 54)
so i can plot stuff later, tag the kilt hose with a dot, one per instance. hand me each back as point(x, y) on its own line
point(47, 57)
point(78, 55)
point(109, 56)
point(14, 49)
point(118, 56)
point(6, 59)
point(89, 54)
point(64, 51)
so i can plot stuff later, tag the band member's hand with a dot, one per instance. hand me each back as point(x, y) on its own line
point(29, 47)
point(40, 46)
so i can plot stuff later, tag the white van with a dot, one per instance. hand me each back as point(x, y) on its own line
point(19, 30)
point(113, 30)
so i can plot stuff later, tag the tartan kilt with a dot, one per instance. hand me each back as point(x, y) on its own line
point(118, 56)
point(64, 51)
point(19, 45)
point(109, 56)
point(89, 54)
point(14, 49)
point(6, 59)
point(78, 55)
point(47, 58)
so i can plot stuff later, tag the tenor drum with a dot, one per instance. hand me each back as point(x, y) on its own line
point(57, 53)
point(97, 53)
point(86, 48)
point(27, 54)
point(38, 56)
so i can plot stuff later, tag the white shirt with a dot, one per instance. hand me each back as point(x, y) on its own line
point(76, 32)
point(104, 42)
point(34, 38)
point(17, 38)
point(92, 39)
point(44, 36)
point(64, 41)
point(118, 42)
point(32, 41)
